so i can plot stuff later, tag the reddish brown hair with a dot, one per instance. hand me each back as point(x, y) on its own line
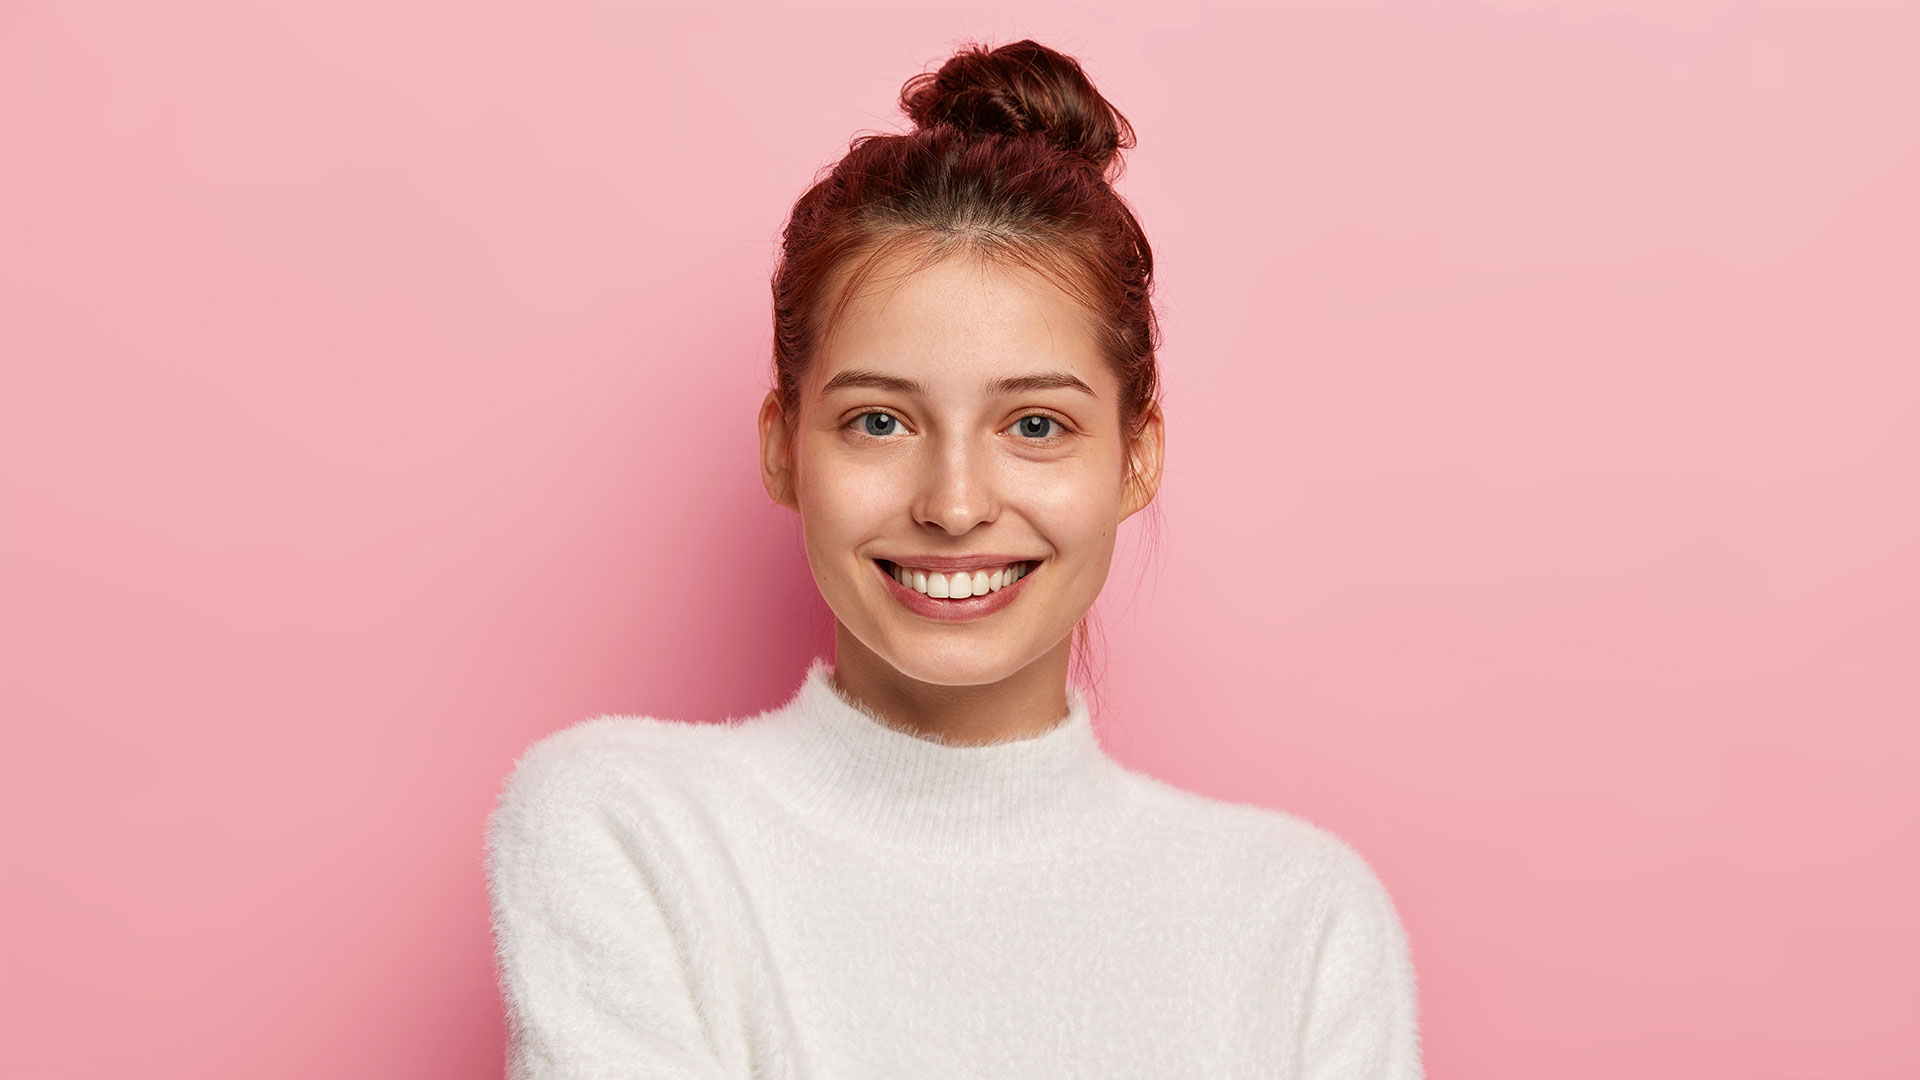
point(1011, 159)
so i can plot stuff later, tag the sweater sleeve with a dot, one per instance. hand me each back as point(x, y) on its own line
point(590, 945)
point(1362, 1015)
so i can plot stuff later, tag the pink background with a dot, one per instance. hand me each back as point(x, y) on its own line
point(1540, 511)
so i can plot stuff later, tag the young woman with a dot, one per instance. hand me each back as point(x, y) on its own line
point(923, 864)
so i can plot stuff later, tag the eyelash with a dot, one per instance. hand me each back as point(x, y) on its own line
point(1049, 441)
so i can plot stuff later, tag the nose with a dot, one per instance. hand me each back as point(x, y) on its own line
point(955, 489)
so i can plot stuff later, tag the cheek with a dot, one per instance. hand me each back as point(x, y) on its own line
point(1075, 515)
point(1082, 496)
point(842, 505)
point(849, 498)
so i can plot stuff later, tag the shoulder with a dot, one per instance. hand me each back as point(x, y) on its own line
point(1275, 852)
point(589, 755)
point(580, 773)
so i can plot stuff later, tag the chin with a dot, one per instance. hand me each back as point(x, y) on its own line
point(957, 663)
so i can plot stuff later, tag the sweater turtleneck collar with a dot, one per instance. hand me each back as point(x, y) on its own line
point(877, 784)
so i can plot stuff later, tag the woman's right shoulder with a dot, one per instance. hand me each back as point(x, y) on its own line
point(606, 758)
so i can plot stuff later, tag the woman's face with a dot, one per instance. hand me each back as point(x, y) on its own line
point(961, 412)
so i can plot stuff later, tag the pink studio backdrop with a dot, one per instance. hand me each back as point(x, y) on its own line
point(1540, 511)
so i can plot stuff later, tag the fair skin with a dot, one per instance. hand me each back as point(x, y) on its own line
point(957, 466)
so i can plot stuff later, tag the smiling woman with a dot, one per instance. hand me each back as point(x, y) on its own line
point(961, 415)
point(923, 863)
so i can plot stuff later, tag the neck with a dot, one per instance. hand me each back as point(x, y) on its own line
point(1027, 703)
point(855, 774)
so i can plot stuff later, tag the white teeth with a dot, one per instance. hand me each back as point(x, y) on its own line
point(961, 583)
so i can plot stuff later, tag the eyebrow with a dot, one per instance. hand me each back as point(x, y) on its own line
point(1015, 384)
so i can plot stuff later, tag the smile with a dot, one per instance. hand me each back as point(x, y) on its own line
point(958, 595)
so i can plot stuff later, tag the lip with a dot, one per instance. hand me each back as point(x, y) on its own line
point(947, 564)
point(968, 610)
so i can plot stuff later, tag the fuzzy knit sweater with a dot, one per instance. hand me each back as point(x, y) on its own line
point(811, 893)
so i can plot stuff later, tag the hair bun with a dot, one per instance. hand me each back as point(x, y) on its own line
point(1020, 87)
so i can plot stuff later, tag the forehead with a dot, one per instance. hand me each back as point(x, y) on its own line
point(962, 322)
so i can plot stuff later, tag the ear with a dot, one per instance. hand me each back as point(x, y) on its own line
point(1146, 455)
point(776, 453)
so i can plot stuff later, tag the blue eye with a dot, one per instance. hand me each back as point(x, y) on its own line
point(1032, 428)
point(886, 428)
point(1024, 426)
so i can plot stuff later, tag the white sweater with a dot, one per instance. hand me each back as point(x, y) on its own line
point(810, 893)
